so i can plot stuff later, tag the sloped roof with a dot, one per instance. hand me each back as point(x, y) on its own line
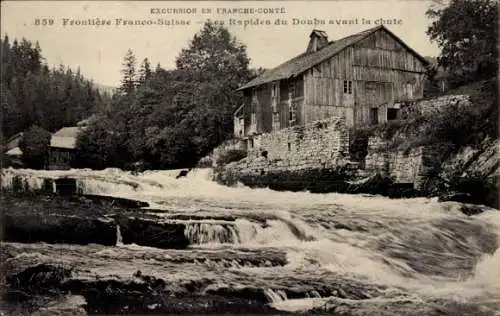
point(65, 137)
point(67, 132)
point(305, 61)
point(63, 142)
point(13, 141)
point(16, 151)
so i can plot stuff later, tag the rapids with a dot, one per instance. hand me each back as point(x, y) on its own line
point(416, 248)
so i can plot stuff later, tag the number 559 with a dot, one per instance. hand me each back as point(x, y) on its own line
point(44, 22)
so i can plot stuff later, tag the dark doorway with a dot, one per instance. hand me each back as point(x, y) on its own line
point(392, 114)
point(374, 116)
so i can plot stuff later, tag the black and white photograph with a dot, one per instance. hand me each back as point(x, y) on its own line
point(293, 157)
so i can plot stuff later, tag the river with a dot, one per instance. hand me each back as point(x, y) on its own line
point(355, 254)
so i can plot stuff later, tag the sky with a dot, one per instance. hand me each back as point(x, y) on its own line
point(99, 49)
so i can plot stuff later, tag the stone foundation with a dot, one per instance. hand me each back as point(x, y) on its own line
point(317, 145)
point(412, 166)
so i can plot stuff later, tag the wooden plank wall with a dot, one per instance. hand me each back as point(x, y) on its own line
point(297, 98)
point(261, 106)
point(380, 69)
point(265, 124)
point(378, 58)
point(283, 105)
point(324, 88)
point(247, 109)
point(381, 58)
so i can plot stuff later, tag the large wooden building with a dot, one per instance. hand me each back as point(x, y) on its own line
point(364, 77)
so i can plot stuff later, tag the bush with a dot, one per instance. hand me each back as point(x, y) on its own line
point(453, 127)
point(35, 145)
point(230, 156)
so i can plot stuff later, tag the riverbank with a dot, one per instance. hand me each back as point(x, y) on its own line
point(445, 147)
point(475, 190)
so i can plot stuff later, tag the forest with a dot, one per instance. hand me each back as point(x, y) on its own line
point(164, 119)
point(35, 95)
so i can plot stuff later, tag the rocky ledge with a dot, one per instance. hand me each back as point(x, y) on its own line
point(43, 279)
point(122, 280)
point(85, 220)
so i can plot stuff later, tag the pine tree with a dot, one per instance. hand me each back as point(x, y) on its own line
point(145, 71)
point(129, 73)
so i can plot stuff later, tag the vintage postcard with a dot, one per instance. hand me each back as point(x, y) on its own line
point(249, 157)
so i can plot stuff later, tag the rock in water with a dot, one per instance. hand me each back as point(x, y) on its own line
point(181, 174)
point(455, 197)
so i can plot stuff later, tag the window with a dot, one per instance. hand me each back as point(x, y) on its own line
point(289, 146)
point(251, 142)
point(348, 86)
point(392, 114)
point(374, 116)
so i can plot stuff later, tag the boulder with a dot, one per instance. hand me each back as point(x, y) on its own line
point(455, 197)
point(182, 173)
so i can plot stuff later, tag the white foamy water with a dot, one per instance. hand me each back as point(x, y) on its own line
point(425, 247)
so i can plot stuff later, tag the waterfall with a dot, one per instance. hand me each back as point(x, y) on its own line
point(243, 231)
point(307, 244)
point(211, 232)
point(275, 296)
point(119, 239)
point(21, 182)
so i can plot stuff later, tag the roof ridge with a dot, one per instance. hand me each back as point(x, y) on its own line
point(305, 60)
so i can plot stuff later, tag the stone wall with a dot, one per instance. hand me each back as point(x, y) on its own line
point(317, 145)
point(412, 166)
point(320, 152)
point(434, 105)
